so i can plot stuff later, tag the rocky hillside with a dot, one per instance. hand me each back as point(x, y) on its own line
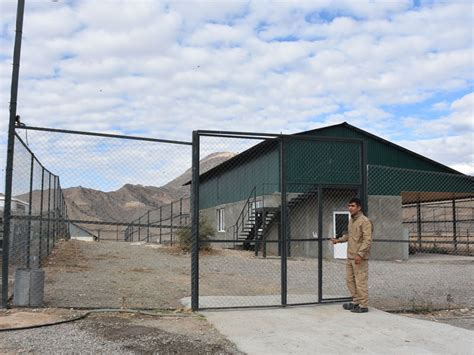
point(132, 201)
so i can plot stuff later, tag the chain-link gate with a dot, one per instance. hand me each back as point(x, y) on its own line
point(267, 212)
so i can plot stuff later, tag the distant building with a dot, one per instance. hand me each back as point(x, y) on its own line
point(79, 233)
point(18, 206)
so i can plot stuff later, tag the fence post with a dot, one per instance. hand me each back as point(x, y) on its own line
point(30, 203)
point(161, 221)
point(10, 152)
point(54, 211)
point(148, 227)
point(139, 227)
point(418, 223)
point(41, 217)
point(171, 229)
point(195, 224)
point(455, 234)
point(49, 212)
point(283, 227)
point(180, 211)
point(320, 244)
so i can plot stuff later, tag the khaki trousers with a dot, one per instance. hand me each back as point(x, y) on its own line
point(357, 278)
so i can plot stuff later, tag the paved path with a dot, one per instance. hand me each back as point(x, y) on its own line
point(328, 329)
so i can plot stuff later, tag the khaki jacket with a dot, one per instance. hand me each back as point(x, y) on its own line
point(359, 236)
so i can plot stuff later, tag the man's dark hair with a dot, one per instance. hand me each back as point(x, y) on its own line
point(356, 200)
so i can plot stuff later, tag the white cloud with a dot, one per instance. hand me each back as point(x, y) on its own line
point(164, 68)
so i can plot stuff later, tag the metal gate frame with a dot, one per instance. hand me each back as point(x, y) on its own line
point(284, 240)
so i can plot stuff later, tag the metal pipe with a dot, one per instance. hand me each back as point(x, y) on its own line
point(455, 234)
point(283, 228)
point(171, 222)
point(41, 215)
point(161, 229)
point(49, 211)
point(148, 227)
point(195, 224)
point(10, 151)
point(30, 202)
point(320, 244)
point(418, 222)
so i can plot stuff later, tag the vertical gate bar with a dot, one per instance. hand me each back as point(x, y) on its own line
point(41, 217)
point(148, 227)
point(320, 244)
point(455, 234)
point(54, 211)
point(68, 225)
point(180, 211)
point(30, 202)
point(49, 212)
point(195, 224)
point(283, 228)
point(117, 233)
point(10, 152)
point(171, 230)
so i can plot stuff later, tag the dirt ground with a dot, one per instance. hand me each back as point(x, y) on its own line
point(96, 275)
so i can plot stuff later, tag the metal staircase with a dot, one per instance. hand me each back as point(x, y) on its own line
point(254, 221)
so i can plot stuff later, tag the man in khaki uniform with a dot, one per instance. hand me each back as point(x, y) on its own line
point(359, 239)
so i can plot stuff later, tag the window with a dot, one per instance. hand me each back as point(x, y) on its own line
point(220, 220)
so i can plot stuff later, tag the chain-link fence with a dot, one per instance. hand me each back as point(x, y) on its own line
point(265, 208)
point(422, 249)
point(38, 213)
point(112, 189)
point(164, 225)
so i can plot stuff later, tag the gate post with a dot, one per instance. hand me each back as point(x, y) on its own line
point(195, 224)
point(320, 244)
point(284, 224)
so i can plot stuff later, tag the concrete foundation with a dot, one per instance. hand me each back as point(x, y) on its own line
point(29, 288)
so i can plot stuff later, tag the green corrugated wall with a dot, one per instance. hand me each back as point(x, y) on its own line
point(379, 153)
point(236, 184)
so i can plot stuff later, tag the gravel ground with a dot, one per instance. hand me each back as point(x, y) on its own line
point(120, 334)
point(121, 275)
point(111, 274)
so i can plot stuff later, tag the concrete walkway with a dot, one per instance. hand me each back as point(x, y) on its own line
point(328, 329)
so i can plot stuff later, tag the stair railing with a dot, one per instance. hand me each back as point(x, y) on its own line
point(245, 213)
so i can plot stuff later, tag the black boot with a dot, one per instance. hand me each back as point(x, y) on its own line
point(359, 309)
point(349, 306)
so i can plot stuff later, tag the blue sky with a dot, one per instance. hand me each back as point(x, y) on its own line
point(402, 70)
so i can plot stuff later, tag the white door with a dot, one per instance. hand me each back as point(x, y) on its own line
point(340, 224)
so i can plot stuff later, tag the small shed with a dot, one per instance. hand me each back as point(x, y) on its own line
point(79, 233)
